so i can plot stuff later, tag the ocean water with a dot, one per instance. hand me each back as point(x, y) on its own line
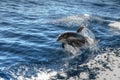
point(28, 33)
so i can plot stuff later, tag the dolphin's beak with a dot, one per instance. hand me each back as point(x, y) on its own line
point(61, 39)
point(58, 39)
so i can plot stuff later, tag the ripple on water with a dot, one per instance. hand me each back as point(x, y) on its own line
point(28, 32)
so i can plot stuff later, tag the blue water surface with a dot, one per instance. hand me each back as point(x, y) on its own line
point(28, 35)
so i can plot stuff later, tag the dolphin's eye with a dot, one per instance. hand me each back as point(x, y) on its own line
point(65, 36)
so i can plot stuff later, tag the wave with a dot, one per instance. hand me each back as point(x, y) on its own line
point(115, 24)
point(81, 20)
point(104, 66)
point(71, 21)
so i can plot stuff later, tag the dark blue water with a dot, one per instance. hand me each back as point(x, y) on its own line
point(28, 32)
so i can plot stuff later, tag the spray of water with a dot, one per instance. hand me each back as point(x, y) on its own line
point(39, 74)
point(73, 20)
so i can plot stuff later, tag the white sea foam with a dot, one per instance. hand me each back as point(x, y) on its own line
point(108, 64)
point(115, 24)
point(78, 20)
point(44, 75)
point(74, 20)
point(84, 76)
point(40, 75)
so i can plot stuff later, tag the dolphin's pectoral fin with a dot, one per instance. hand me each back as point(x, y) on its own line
point(63, 45)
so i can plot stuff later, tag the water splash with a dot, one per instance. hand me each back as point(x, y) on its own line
point(74, 20)
point(115, 25)
point(103, 66)
point(24, 73)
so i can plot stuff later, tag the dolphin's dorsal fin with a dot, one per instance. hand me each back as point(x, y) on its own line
point(80, 29)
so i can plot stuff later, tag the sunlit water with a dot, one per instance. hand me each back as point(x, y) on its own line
point(28, 33)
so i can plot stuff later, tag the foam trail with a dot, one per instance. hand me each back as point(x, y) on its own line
point(74, 20)
point(104, 66)
point(40, 75)
point(108, 64)
point(115, 24)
